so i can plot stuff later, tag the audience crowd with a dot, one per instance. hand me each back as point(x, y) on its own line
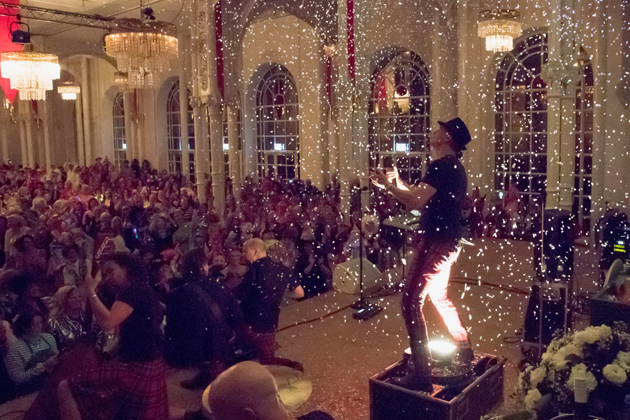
point(99, 254)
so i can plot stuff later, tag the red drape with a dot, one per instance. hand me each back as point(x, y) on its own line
point(5, 46)
point(350, 27)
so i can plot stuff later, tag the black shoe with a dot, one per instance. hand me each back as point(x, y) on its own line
point(296, 365)
point(200, 381)
point(413, 382)
point(466, 356)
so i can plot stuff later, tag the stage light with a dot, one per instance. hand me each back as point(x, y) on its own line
point(441, 349)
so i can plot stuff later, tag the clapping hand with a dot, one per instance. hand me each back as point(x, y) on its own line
point(379, 178)
point(92, 282)
point(392, 174)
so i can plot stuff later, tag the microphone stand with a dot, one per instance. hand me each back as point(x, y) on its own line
point(365, 310)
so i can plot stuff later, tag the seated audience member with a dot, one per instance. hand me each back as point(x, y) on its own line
point(134, 385)
point(33, 355)
point(234, 271)
point(201, 337)
point(68, 322)
point(75, 269)
point(248, 391)
point(29, 295)
point(7, 339)
point(312, 270)
point(261, 294)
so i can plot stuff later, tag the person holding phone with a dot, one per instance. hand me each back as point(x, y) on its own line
point(439, 197)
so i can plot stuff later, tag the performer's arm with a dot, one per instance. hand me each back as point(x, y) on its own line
point(415, 198)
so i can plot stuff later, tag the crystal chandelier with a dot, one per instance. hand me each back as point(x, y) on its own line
point(142, 49)
point(68, 91)
point(31, 73)
point(499, 28)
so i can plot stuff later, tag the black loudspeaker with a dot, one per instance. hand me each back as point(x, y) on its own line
point(547, 312)
point(556, 245)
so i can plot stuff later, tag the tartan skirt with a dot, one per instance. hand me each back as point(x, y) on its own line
point(122, 391)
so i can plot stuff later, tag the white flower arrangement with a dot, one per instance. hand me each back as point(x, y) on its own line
point(601, 354)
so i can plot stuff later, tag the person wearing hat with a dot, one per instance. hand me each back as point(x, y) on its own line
point(439, 196)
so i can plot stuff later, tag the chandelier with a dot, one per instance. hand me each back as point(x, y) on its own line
point(499, 28)
point(142, 49)
point(68, 91)
point(31, 73)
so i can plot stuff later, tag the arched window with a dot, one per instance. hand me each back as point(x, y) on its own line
point(120, 138)
point(399, 123)
point(277, 125)
point(174, 131)
point(520, 136)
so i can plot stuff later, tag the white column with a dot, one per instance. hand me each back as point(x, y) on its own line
point(129, 126)
point(85, 97)
point(233, 141)
point(5, 120)
point(3, 141)
point(46, 118)
point(204, 90)
point(28, 121)
point(561, 75)
point(601, 75)
point(21, 123)
point(40, 158)
point(78, 109)
point(201, 149)
point(342, 110)
point(183, 112)
point(139, 138)
point(215, 120)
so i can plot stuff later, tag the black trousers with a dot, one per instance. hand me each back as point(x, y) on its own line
point(429, 274)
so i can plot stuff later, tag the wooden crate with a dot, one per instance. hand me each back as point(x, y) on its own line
point(391, 402)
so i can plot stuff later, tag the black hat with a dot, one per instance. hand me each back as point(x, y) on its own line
point(459, 132)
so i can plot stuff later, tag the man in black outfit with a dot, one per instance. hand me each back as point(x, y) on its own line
point(440, 196)
point(261, 294)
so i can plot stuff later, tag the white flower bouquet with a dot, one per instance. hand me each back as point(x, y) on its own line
point(601, 354)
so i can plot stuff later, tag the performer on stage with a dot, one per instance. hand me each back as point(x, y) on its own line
point(439, 196)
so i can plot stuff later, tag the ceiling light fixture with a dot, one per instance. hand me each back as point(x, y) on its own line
point(30, 72)
point(142, 48)
point(499, 28)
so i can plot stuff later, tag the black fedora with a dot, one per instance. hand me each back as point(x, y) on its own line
point(459, 132)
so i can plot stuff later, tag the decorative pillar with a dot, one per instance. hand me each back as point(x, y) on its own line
point(344, 99)
point(46, 118)
point(28, 114)
point(201, 65)
point(21, 123)
point(129, 126)
point(215, 122)
point(183, 108)
point(234, 143)
point(561, 76)
point(5, 120)
point(78, 109)
point(85, 97)
point(139, 138)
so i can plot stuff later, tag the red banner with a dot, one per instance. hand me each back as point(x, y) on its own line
point(5, 46)
point(350, 27)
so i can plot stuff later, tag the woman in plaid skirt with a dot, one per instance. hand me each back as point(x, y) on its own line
point(134, 385)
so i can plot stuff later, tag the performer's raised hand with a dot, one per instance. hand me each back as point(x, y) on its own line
point(392, 174)
point(379, 178)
